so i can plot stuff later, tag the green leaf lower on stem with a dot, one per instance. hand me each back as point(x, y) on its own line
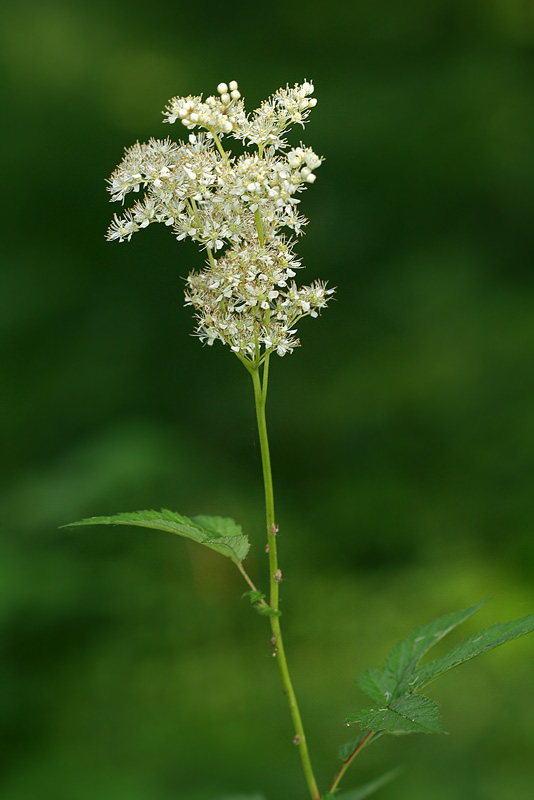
point(393, 688)
point(255, 596)
point(218, 533)
point(394, 678)
point(409, 714)
point(482, 642)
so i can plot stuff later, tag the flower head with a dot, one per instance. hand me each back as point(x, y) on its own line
point(235, 208)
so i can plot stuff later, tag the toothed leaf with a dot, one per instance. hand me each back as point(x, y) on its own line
point(481, 642)
point(402, 662)
point(393, 688)
point(370, 682)
point(255, 596)
point(409, 714)
point(218, 526)
point(218, 533)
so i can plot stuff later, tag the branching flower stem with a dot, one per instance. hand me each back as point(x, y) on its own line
point(220, 147)
point(260, 397)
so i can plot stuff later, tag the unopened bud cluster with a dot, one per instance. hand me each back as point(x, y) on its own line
point(235, 208)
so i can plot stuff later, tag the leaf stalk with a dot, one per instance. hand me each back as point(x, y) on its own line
point(348, 761)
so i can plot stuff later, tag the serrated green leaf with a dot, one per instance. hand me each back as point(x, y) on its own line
point(369, 788)
point(218, 526)
point(408, 714)
point(218, 533)
point(402, 662)
point(255, 596)
point(394, 687)
point(481, 642)
point(370, 682)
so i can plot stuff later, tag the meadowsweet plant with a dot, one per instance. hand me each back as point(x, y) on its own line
point(243, 211)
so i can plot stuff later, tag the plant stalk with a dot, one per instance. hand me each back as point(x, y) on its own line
point(260, 397)
point(348, 761)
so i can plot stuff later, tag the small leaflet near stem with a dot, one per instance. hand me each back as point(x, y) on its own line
point(250, 582)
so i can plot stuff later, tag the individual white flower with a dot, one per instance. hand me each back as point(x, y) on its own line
point(122, 228)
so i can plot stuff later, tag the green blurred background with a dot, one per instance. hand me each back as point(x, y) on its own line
point(402, 431)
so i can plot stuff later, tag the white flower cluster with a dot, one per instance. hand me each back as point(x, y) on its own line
point(234, 207)
point(217, 114)
point(248, 300)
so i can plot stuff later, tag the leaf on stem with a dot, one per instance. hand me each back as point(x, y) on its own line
point(383, 685)
point(481, 642)
point(218, 533)
point(393, 687)
point(267, 611)
point(255, 596)
point(411, 713)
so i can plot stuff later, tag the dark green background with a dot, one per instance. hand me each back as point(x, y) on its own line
point(402, 431)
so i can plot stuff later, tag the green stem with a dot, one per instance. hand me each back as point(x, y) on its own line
point(210, 256)
point(265, 378)
point(260, 397)
point(194, 211)
point(219, 146)
point(348, 761)
point(259, 226)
